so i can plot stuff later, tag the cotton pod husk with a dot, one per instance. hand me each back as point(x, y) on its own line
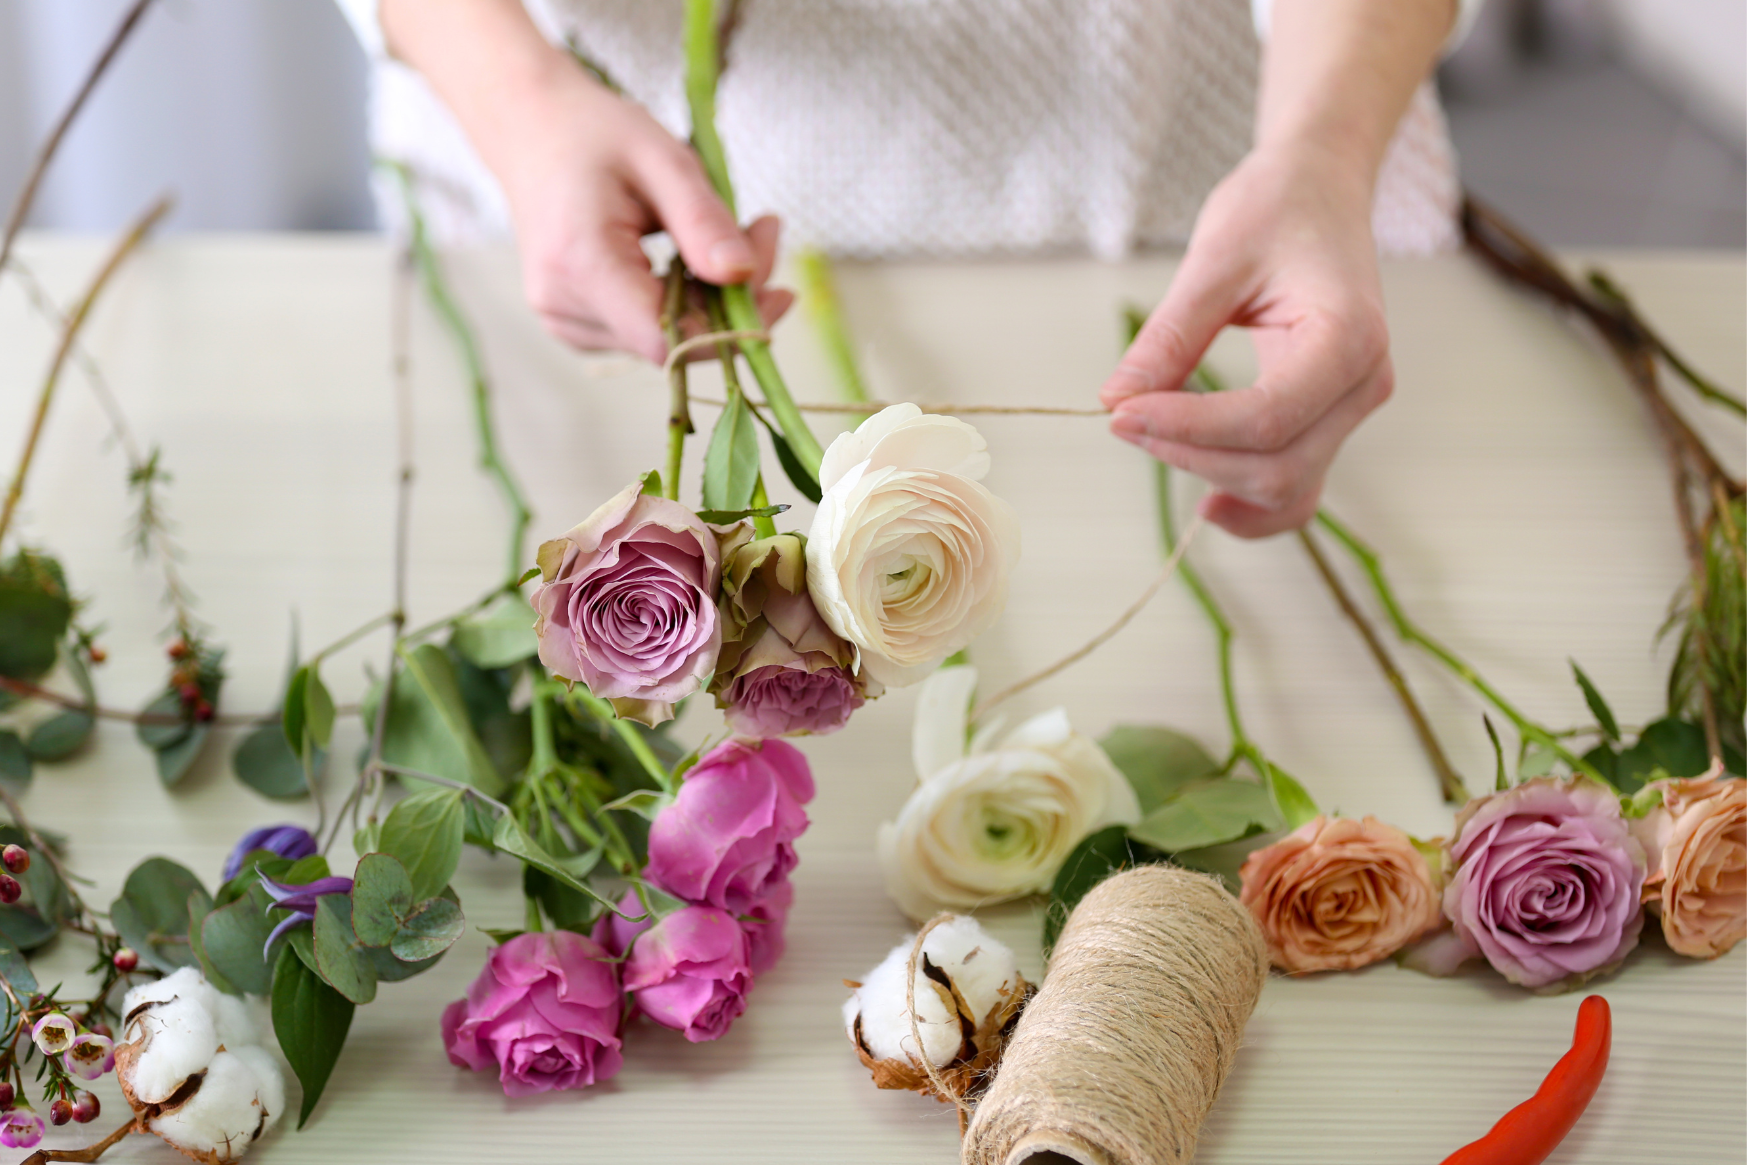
point(967, 995)
point(1119, 1056)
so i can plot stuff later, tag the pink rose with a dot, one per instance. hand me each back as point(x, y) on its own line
point(1696, 841)
point(1547, 881)
point(691, 972)
point(727, 838)
point(546, 1010)
point(764, 925)
point(1336, 894)
point(627, 604)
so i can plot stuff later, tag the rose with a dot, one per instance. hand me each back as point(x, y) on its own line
point(728, 836)
point(545, 1009)
point(764, 924)
point(1695, 843)
point(996, 820)
point(1547, 881)
point(1336, 894)
point(286, 841)
point(782, 670)
point(690, 971)
point(909, 555)
point(627, 604)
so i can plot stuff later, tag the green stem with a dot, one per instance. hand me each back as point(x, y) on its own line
point(743, 311)
point(351, 637)
point(1373, 567)
point(545, 756)
point(1241, 744)
point(679, 407)
point(819, 297)
point(1609, 290)
point(603, 710)
point(437, 289)
point(612, 839)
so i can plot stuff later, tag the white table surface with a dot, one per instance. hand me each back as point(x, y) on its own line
point(1514, 486)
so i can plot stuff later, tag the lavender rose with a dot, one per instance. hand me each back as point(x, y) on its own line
point(1547, 882)
point(691, 972)
point(545, 1010)
point(727, 838)
point(627, 604)
point(782, 670)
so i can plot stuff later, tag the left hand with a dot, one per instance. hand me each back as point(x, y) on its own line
point(1283, 246)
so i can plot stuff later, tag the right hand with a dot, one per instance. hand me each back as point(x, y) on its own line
point(587, 175)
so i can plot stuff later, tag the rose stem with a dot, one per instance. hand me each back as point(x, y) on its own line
point(603, 711)
point(1611, 292)
point(437, 290)
point(702, 64)
point(679, 413)
point(75, 320)
point(1449, 783)
point(819, 297)
point(27, 193)
point(1409, 632)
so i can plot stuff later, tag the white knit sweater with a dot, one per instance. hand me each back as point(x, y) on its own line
point(941, 127)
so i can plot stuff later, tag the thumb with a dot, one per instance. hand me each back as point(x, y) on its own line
point(1202, 299)
point(708, 238)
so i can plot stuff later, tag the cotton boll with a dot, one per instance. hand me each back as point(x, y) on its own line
point(269, 1077)
point(879, 1002)
point(223, 1117)
point(185, 983)
point(234, 1022)
point(168, 1042)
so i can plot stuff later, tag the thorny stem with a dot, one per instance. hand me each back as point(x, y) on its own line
point(819, 297)
point(75, 320)
point(1410, 632)
point(1449, 782)
point(679, 412)
point(27, 193)
point(437, 289)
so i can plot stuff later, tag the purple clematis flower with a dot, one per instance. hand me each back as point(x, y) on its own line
point(300, 900)
point(288, 841)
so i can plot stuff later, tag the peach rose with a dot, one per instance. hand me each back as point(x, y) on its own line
point(1336, 894)
point(1697, 845)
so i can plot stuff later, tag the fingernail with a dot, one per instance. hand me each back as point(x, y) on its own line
point(1127, 381)
point(1129, 425)
point(731, 255)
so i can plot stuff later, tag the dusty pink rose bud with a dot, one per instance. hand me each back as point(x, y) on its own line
point(691, 972)
point(728, 837)
point(545, 1011)
point(627, 604)
point(1546, 884)
point(1336, 894)
point(1696, 845)
point(782, 671)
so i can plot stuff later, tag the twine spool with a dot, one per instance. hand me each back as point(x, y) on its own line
point(1120, 1055)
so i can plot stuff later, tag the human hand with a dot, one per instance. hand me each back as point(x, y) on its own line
point(589, 175)
point(1282, 246)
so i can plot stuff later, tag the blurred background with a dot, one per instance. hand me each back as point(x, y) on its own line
point(1591, 122)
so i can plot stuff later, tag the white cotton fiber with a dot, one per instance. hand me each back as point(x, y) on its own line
point(979, 967)
point(270, 1078)
point(177, 1038)
point(223, 1114)
point(234, 1021)
point(184, 983)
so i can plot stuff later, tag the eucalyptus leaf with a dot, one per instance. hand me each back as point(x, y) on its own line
point(382, 895)
point(233, 937)
point(61, 735)
point(175, 760)
point(499, 636)
point(392, 970)
point(152, 913)
point(15, 970)
point(1096, 858)
point(15, 762)
point(731, 463)
point(340, 957)
point(169, 722)
point(34, 614)
point(1208, 814)
point(318, 710)
point(1598, 706)
point(428, 726)
point(24, 928)
point(428, 931)
point(1159, 762)
point(424, 833)
point(265, 763)
point(311, 1020)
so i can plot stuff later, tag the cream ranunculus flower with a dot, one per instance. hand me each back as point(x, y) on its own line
point(909, 554)
point(994, 819)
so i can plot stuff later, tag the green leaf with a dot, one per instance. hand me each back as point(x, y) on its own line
point(1291, 800)
point(506, 734)
point(804, 482)
point(1501, 782)
point(528, 575)
point(1208, 814)
point(731, 464)
point(199, 906)
point(428, 727)
point(428, 931)
point(1606, 761)
point(15, 763)
point(1096, 858)
point(1598, 706)
point(295, 709)
point(170, 721)
point(727, 517)
point(34, 614)
point(318, 710)
point(152, 913)
point(568, 909)
point(1677, 747)
point(1538, 761)
point(15, 969)
point(305, 870)
point(340, 957)
point(367, 838)
point(311, 1020)
point(174, 760)
point(499, 636)
point(652, 484)
point(424, 832)
point(265, 763)
point(382, 895)
point(391, 970)
point(233, 937)
point(646, 803)
point(510, 837)
point(24, 928)
point(1159, 762)
point(255, 863)
point(61, 735)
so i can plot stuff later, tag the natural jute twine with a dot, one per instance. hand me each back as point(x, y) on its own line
point(1119, 1057)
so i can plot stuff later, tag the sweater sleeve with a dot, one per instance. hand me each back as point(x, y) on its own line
point(1262, 10)
point(361, 15)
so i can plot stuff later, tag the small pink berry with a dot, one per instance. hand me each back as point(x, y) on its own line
point(86, 1108)
point(7, 1094)
point(60, 1112)
point(177, 649)
point(98, 655)
point(190, 693)
point(203, 711)
point(10, 890)
point(16, 858)
point(126, 959)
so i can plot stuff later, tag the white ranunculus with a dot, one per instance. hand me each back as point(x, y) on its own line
point(993, 819)
point(909, 554)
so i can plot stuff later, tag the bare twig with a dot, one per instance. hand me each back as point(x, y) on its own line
point(46, 152)
point(141, 227)
point(30, 691)
point(89, 1152)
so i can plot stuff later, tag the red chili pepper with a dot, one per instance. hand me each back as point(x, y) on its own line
point(1532, 1130)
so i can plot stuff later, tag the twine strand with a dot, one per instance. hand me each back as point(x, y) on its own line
point(874, 406)
point(945, 1090)
point(678, 351)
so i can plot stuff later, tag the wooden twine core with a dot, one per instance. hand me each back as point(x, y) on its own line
point(1118, 1058)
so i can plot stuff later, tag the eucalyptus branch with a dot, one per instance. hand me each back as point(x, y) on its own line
point(41, 846)
point(46, 152)
point(437, 290)
point(30, 691)
point(75, 320)
point(1449, 782)
point(679, 414)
